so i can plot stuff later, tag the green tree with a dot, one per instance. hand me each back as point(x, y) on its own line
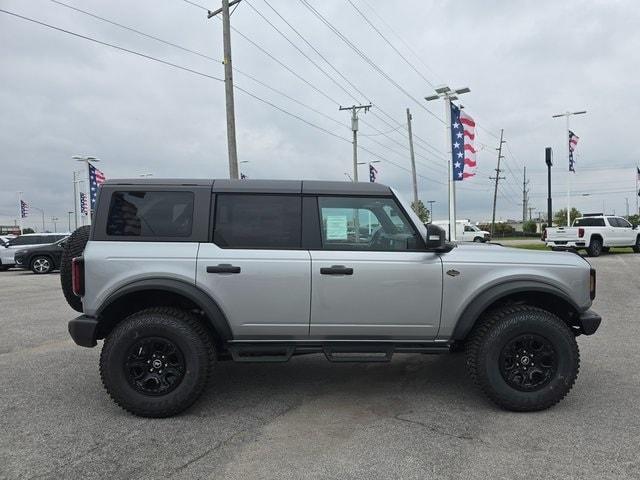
point(530, 227)
point(560, 217)
point(28, 230)
point(421, 211)
point(634, 219)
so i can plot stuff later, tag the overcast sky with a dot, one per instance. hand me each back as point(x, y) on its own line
point(524, 61)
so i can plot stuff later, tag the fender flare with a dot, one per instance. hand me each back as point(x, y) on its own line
point(494, 293)
point(208, 305)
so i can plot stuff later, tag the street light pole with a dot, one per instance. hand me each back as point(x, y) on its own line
point(54, 220)
point(568, 114)
point(448, 95)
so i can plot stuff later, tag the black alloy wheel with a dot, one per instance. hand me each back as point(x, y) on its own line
point(528, 362)
point(154, 366)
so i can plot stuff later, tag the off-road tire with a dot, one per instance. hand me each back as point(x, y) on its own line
point(636, 247)
point(478, 240)
point(73, 248)
point(41, 264)
point(496, 331)
point(595, 247)
point(178, 326)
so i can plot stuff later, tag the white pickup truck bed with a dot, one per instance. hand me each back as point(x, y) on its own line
point(595, 234)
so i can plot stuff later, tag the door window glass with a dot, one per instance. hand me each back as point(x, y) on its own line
point(258, 221)
point(360, 223)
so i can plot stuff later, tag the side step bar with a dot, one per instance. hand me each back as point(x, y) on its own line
point(333, 351)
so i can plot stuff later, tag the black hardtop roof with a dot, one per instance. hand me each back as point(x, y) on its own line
point(317, 187)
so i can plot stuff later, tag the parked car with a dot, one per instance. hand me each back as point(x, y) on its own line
point(41, 259)
point(7, 253)
point(595, 234)
point(465, 231)
point(178, 274)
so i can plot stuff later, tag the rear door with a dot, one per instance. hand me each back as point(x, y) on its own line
point(255, 266)
point(371, 277)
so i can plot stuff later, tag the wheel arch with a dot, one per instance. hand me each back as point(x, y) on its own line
point(542, 295)
point(146, 293)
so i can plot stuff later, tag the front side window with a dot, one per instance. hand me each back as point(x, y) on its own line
point(150, 214)
point(258, 221)
point(359, 223)
point(623, 223)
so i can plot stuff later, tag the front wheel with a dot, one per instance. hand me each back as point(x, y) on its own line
point(157, 362)
point(523, 358)
point(41, 265)
point(478, 240)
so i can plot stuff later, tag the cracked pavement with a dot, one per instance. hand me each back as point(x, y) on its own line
point(415, 418)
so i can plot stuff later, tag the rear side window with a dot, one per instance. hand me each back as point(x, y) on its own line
point(150, 214)
point(258, 221)
point(589, 222)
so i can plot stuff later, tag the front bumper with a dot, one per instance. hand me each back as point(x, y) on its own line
point(588, 322)
point(83, 330)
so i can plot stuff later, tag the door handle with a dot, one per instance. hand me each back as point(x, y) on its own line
point(223, 268)
point(336, 270)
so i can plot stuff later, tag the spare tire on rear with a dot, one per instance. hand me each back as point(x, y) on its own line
point(73, 248)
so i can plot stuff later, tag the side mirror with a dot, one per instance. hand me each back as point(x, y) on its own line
point(436, 238)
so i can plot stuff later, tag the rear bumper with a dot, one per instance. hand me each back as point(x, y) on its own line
point(588, 322)
point(561, 244)
point(83, 330)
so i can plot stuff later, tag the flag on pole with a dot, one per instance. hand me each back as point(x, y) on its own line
point(24, 209)
point(83, 203)
point(573, 142)
point(463, 152)
point(638, 177)
point(96, 178)
point(373, 173)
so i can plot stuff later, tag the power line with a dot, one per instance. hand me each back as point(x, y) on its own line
point(196, 72)
point(117, 47)
point(368, 60)
point(391, 44)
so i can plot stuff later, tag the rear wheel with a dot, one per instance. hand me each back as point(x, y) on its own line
point(73, 248)
point(595, 247)
point(523, 358)
point(478, 240)
point(157, 362)
point(41, 264)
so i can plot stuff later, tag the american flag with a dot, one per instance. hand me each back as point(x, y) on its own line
point(373, 173)
point(463, 134)
point(83, 203)
point(24, 209)
point(96, 178)
point(573, 141)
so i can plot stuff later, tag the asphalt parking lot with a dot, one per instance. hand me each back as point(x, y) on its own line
point(415, 418)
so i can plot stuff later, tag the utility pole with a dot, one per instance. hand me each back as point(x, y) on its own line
point(354, 127)
point(530, 210)
point(447, 94)
point(228, 85)
point(413, 161)
point(566, 140)
point(497, 178)
point(525, 195)
point(54, 220)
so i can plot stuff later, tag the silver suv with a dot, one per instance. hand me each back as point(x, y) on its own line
point(176, 275)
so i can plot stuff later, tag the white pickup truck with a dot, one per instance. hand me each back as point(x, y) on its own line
point(595, 234)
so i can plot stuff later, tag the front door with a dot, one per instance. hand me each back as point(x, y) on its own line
point(372, 278)
point(255, 268)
